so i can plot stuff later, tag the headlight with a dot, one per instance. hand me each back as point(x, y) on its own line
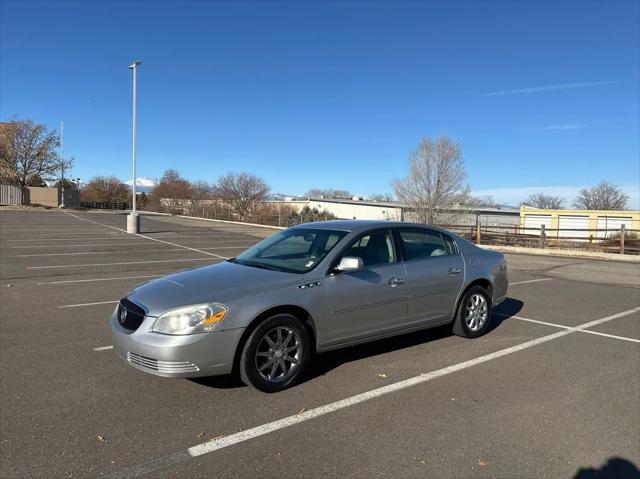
point(199, 318)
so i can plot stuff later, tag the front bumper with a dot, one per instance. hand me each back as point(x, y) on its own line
point(195, 355)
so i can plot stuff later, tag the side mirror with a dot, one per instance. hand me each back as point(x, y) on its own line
point(350, 263)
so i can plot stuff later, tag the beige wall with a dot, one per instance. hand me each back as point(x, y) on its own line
point(51, 197)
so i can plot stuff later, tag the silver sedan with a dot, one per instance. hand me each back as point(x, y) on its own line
point(307, 289)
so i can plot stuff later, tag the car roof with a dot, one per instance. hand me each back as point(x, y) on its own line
point(356, 226)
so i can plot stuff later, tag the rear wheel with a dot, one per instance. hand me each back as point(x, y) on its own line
point(474, 313)
point(275, 354)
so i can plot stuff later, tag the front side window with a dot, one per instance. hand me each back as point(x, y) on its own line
point(420, 244)
point(296, 250)
point(374, 248)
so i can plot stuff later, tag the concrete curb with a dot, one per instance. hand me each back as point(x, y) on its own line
point(214, 220)
point(565, 253)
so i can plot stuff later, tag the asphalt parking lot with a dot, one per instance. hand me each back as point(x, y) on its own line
point(553, 391)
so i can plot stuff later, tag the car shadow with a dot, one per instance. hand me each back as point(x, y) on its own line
point(330, 360)
point(326, 362)
point(614, 468)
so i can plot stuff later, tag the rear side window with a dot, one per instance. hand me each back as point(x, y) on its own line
point(420, 244)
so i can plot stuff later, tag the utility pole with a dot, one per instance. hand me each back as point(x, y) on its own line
point(62, 205)
point(133, 220)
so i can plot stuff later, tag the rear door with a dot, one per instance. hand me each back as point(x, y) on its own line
point(370, 301)
point(435, 274)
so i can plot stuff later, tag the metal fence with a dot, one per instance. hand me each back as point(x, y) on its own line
point(623, 241)
point(105, 205)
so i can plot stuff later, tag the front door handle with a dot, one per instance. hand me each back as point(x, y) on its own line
point(454, 271)
point(393, 282)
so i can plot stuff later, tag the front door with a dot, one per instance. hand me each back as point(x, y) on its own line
point(370, 301)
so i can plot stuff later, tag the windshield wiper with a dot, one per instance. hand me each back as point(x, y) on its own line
point(259, 265)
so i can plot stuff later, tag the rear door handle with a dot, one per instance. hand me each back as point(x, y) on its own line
point(454, 271)
point(393, 282)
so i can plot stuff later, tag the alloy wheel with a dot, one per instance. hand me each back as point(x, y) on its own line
point(476, 312)
point(278, 354)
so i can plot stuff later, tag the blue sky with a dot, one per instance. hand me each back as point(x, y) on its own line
point(539, 94)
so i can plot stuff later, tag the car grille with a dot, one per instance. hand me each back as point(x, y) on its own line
point(130, 315)
point(162, 366)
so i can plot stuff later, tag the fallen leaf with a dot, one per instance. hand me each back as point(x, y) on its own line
point(482, 463)
point(200, 434)
point(382, 375)
point(301, 410)
point(217, 437)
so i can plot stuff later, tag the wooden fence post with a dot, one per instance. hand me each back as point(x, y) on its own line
point(543, 236)
point(622, 235)
point(477, 231)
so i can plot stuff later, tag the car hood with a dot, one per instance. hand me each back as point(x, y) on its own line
point(220, 283)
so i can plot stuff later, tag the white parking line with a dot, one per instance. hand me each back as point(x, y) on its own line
point(103, 348)
point(572, 328)
point(117, 264)
point(75, 245)
point(113, 237)
point(148, 237)
point(91, 280)
point(79, 305)
point(530, 281)
point(118, 252)
point(217, 444)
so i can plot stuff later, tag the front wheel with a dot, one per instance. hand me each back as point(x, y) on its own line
point(275, 354)
point(474, 313)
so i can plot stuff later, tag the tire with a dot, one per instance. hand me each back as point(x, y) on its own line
point(473, 316)
point(270, 362)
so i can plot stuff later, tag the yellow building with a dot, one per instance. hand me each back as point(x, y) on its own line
point(578, 223)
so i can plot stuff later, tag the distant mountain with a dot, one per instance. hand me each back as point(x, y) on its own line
point(143, 184)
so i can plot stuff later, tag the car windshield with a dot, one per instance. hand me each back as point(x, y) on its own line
point(296, 250)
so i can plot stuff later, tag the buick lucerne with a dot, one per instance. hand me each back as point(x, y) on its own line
point(307, 289)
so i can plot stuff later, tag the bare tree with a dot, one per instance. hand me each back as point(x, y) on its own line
point(27, 153)
point(105, 188)
point(172, 191)
point(436, 178)
point(328, 193)
point(200, 190)
point(543, 201)
point(242, 191)
point(384, 197)
point(604, 196)
point(470, 201)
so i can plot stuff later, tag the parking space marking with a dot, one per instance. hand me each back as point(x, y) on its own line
point(116, 264)
point(79, 305)
point(76, 253)
point(577, 329)
point(149, 237)
point(75, 245)
point(530, 281)
point(217, 444)
point(42, 240)
point(91, 280)
point(103, 348)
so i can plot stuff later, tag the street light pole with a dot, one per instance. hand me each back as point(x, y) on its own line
point(133, 220)
point(62, 205)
